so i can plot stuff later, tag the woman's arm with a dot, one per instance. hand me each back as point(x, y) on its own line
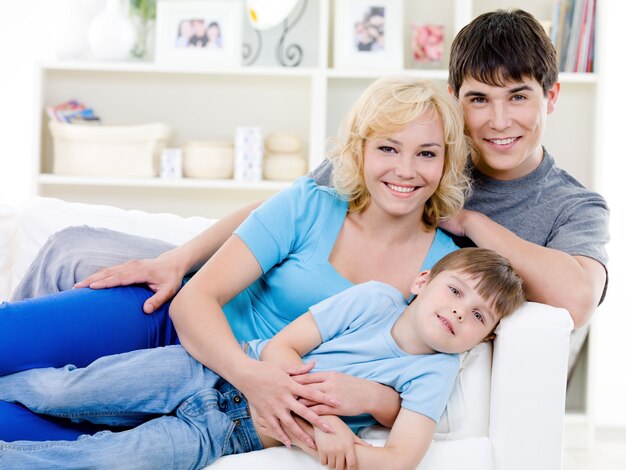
point(205, 333)
point(165, 273)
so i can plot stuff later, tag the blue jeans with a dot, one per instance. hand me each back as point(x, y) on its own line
point(186, 416)
point(73, 327)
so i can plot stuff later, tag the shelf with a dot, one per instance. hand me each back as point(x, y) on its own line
point(184, 183)
point(365, 74)
point(372, 74)
point(152, 68)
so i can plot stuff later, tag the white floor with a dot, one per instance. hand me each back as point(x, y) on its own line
point(607, 452)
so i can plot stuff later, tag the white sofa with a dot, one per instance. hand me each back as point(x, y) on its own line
point(507, 409)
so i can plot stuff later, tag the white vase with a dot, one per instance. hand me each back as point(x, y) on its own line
point(112, 34)
point(70, 34)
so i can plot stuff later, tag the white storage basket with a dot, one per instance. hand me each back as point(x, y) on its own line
point(118, 151)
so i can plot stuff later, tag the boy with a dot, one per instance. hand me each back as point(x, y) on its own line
point(367, 330)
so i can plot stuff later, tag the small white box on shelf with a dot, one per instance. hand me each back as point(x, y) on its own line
point(171, 163)
point(212, 159)
point(248, 153)
point(118, 151)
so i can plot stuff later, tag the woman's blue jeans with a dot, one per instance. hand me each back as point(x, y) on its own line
point(73, 327)
point(186, 416)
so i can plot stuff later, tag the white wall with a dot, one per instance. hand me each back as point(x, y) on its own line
point(609, 352)
point(24, 37)
point(26, 29)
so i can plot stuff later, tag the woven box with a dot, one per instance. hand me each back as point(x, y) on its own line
point(118, 151)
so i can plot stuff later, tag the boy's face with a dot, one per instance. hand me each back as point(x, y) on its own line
point(449, 314)
point(506, 124)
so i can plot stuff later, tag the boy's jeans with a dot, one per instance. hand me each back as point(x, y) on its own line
point(206, 417)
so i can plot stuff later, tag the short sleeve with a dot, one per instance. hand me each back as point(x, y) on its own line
point(428, 386)
point(583, 229)
point(338, 313)
point(274, 229)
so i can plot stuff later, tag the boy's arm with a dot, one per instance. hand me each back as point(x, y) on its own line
point(550, 276)
point(288, 346)
point(407, 444)
point(301, 336)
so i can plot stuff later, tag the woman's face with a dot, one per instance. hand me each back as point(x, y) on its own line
point(403, 171)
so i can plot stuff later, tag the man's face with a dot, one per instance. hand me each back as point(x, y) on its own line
point(506, 124)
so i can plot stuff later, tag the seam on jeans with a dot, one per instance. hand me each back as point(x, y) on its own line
point(228, 436)
point(36, 447)
point(99, 414)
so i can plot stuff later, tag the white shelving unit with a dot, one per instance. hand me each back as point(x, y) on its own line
point(310, 101)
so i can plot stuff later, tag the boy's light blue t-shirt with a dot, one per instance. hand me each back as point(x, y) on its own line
point(355, 326)
point(295, 231)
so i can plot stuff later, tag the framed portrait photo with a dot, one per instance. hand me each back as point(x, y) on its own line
point(198, 33)
point(368, 34)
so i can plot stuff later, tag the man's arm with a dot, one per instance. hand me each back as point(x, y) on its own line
point(550, 276)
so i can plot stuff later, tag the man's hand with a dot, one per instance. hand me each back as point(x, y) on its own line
point(159, 274)
point(456, 225)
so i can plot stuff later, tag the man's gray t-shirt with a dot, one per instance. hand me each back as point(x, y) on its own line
point(548, 207)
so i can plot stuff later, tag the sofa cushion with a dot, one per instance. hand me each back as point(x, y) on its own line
point(41, 217)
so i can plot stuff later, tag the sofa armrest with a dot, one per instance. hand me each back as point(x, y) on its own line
point(529, 375)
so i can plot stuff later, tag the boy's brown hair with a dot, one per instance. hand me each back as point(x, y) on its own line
point(496, 279)
point(501, 46)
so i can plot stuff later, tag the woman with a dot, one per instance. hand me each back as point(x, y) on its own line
point(399, 172)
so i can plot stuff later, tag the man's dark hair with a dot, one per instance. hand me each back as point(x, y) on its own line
point(501, 46)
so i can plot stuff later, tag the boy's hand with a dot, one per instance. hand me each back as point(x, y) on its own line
point(336, 450)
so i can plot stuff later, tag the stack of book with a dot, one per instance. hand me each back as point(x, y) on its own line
point(72, 112)
point(573, 31)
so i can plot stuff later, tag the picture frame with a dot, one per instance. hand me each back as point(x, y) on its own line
point(198, 33)
point(368, 34)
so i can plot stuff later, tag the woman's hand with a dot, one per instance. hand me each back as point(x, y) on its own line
point(272, 392)
point(160, 274)
point(336, 450)
point(356, 395)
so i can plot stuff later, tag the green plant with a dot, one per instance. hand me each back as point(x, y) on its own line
point(145, 9)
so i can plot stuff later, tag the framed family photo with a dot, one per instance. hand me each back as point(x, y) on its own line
point(199, 33)
point(368, 33)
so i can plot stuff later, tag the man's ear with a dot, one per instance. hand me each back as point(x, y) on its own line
point(451, 92)
point(553, 95)
point(419, 282)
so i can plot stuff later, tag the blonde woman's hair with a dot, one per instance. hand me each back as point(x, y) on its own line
point(387, 106)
